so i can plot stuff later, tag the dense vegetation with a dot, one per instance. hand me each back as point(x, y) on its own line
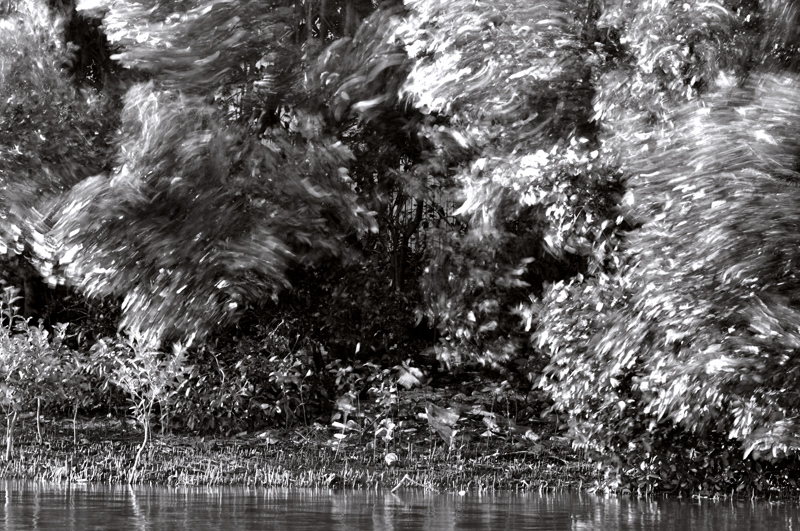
point(233, 214)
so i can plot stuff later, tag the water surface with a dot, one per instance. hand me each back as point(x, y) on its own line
point(32, 506)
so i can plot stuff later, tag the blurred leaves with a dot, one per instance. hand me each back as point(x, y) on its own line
point(51, 134)
point(680, 348)
point(537, 198)
point(361, 76)
point(199, 217)
point(193, 46)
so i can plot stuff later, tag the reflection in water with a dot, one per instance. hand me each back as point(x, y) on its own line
point(32, 506)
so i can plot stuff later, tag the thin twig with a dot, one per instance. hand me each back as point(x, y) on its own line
point(407, 479)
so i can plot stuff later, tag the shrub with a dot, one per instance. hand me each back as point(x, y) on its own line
point(33, 364)
point(148, 376)
point(248, 383)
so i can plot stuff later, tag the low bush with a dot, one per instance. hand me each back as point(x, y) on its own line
point(250, 383)
point(34, 365)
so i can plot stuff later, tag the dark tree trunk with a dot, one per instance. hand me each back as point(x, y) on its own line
point(309, 22)
point(590, 22)
point(401, 244)
point(350, 18)
point(301, 22)
point(31, 289)
point(323, 21)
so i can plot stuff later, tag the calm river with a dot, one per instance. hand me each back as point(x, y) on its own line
point(87, 507)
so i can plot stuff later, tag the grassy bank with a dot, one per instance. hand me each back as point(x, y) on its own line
point(305, 457)
point(105, 450)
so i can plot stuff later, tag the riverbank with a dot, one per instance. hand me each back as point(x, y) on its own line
point(449, 439)
point(300, 458)
point(105, 451)
point(436, 439)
